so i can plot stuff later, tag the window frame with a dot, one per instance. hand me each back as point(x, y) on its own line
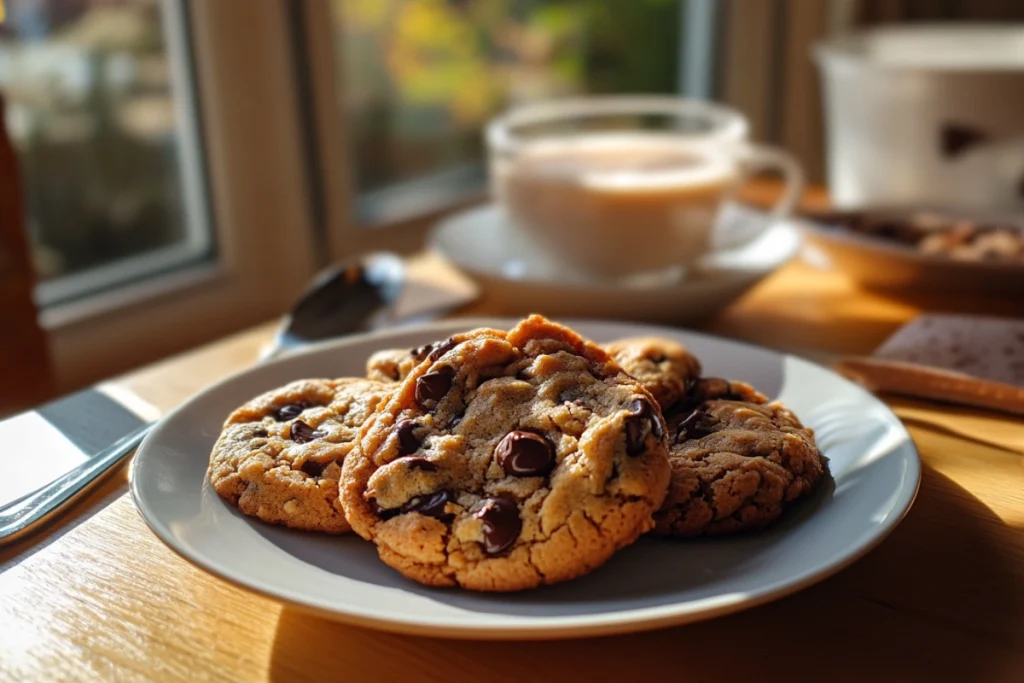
point(242, 63)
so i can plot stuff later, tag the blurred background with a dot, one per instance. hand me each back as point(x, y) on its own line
point(186, 167)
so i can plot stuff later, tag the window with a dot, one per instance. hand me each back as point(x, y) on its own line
point(100, 113)
point(166, 182)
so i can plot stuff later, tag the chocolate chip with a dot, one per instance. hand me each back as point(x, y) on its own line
point(408, 442)
point(501, 524)
point(433, 386)
point(314, 468)
point(525, 454)
point(289, 411)
point(420, 353)
point(260, 433)
point(418, 463)
point(640, 407)
point(643, 418)
point(303, 433)
point(441, 348)
point(711, 388)
point(383, 513)
point(955, 139)
point(644, 408)
point(636, 434)
point(696, 425)
point(430, 504)
point(716, 387)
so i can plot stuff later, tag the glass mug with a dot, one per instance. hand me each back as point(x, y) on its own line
point(619, 186)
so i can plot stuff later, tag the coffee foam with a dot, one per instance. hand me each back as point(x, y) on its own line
point(633, 162)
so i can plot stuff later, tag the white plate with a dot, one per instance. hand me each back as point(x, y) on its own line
point(652, 583)
point(520, 278)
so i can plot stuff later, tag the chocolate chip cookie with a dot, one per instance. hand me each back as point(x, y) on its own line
point(508, 460)
point(279, 456)
point(665, 367)
point(737, 463)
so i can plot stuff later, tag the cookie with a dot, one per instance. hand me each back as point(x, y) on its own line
point(394, 365)
point(279, 456)
point(736, 465)
point(666, 368)
point(713, 388)
point(508, 460)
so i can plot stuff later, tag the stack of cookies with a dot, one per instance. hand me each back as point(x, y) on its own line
point(501, 461)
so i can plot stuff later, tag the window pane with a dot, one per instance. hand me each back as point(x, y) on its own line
point(107, 155)
point(421, 77)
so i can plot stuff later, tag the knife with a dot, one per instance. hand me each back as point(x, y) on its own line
point(92, 431)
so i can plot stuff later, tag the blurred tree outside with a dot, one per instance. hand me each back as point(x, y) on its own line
point(422, 77)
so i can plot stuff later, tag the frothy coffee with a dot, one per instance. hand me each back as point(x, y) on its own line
point(616, 203)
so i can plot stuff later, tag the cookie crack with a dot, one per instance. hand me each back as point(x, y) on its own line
point(533, 563)
point(597, 526)
point(711, 498)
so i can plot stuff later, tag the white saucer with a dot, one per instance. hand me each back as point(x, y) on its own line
point(517, 277)
point(874, 473)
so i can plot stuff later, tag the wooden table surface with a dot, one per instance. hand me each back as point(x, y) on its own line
point(98, 597)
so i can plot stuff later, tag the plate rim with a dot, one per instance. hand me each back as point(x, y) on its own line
point(556, 628)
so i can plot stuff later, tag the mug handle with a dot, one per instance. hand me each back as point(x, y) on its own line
point(739, 226)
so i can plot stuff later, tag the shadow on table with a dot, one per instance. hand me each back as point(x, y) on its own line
point(940, 599)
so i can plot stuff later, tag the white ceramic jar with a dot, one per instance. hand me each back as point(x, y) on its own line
point(927, 114)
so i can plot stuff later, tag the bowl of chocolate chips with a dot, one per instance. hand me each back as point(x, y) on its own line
point(915, 249)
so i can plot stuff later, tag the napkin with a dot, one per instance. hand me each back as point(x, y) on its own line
point(966, 361)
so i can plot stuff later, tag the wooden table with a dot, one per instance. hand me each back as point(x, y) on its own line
point(98, 597)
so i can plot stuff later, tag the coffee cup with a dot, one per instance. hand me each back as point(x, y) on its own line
point(620, 186)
